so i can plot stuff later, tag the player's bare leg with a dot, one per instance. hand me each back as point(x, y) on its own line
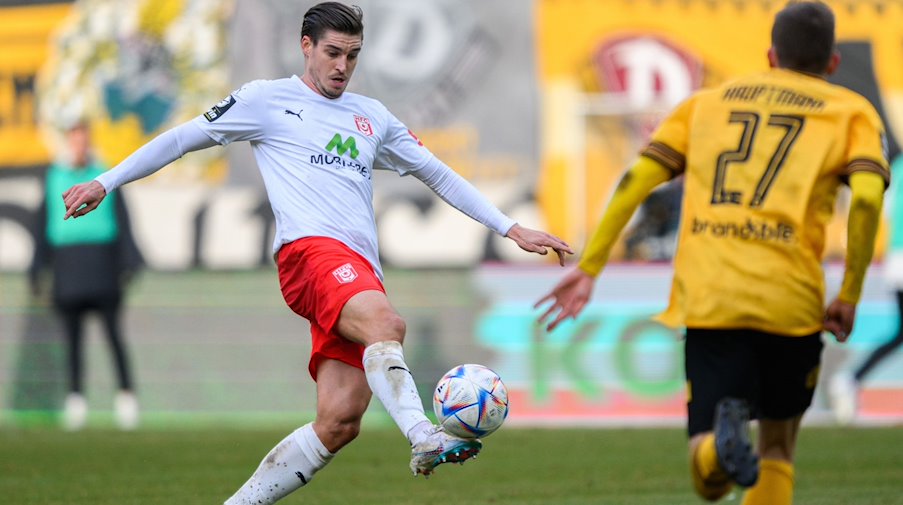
point(777, 444)
point(369, 319)
point(342, 399)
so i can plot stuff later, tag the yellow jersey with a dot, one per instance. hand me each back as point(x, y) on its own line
point(762, 159)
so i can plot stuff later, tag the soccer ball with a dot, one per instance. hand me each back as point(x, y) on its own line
point(470, 401)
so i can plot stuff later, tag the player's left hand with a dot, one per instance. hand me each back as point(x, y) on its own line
point(538, 242)
point(568, 298)
point(83, 198)
point(839, 318)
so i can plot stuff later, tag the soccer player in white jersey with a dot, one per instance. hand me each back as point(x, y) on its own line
point(316, 147)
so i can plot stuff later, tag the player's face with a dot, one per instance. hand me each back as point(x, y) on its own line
point(79, 140)
point(330, 62)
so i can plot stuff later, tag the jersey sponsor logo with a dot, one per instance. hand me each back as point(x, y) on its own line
point(343, 146)
point(345, 273)
point(219, 109)
point(750, 230)
point(338, 161)
point(298, 114)
point(363, 125)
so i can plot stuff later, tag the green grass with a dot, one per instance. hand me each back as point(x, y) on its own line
point(562, 467)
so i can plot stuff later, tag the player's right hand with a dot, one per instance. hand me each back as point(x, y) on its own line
point(839, 318)
point(568, 298)
point(83, 198)
point(536, 241)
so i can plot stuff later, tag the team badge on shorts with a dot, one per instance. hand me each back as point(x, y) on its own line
point(345, 273)
point(363, 125)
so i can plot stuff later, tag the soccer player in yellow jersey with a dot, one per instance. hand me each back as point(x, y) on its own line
point(762, 159)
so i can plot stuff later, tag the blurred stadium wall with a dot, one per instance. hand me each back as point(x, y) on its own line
point(539, 103)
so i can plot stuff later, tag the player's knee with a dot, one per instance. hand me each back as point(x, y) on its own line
point(340, 432)
point(397, 327)
point(391, 326)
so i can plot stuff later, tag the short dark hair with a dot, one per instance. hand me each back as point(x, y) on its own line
point(347, 19)
point(803, 36)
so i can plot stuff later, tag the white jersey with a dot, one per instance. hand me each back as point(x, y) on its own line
point(317, 156)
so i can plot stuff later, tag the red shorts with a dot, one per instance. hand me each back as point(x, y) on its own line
point(318, 275)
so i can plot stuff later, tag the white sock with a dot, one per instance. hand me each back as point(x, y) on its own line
point(392, 382)
point(290, 465)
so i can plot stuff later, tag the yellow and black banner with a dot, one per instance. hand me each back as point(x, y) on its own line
point(609, 69)
point(25, 31)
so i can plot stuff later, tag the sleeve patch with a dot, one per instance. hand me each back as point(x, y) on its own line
point(866, 165)
point(666, 156)
point(219, 109)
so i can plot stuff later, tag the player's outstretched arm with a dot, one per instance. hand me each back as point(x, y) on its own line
point(156, 154)
point(570, 295)
point(460, 194)
point(866, 199)
point(538, 242)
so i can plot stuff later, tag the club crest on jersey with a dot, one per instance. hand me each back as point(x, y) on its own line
point(363, 125)
point(219, 109)
point(345, 273)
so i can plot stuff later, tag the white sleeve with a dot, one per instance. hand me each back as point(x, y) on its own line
point(460, 194)
point(156, 154)
point(400, 150)
point(239, 116)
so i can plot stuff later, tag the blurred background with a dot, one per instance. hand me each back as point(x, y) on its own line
point(539, 103)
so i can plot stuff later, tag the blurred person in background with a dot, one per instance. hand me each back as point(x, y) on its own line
point(844, 386)
point(763, 157)
point(654, 235)
point(91, 262)
point(316, 147)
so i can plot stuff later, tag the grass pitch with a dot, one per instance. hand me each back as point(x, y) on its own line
point(518, 466)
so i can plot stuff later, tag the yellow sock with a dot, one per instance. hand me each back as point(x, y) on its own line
point(710, 482)
point(775, 484)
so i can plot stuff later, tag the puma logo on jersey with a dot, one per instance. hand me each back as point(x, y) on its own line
point(298, 114)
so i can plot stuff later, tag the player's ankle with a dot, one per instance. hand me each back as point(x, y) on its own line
point(420, 432)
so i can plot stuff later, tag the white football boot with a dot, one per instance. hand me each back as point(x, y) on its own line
point(844, 395)
point(126, 410)
point(440, 447)
point(75, 412)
